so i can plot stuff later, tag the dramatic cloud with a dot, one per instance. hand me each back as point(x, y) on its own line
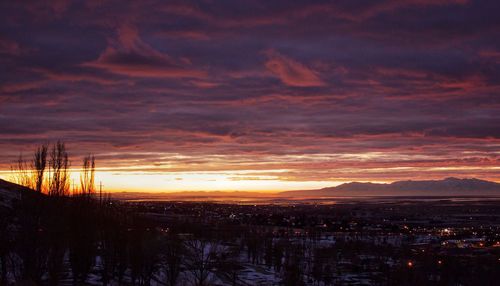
point(129, 55)
point(257, 94)
point(290, 71)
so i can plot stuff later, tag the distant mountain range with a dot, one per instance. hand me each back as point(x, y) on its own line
point(446, 187)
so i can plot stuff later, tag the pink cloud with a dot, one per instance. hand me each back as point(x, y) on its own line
point(402, 72)
point(22, 86)
point(290, 71)
point(390, 6)
point(490, 55)
point(189, 11)
point(192, 35)
point(9, 47)
point(129, 55)
point(76, 77)
point(60, 6)
point(204, 84)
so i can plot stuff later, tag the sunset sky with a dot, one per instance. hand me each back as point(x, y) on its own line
point(254, 95)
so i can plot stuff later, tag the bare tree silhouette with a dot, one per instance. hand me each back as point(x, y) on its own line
point(21, 173)
point(39, 165)
point(173, 255)
point(87, 175)
point(59, 164)
point(200, 260)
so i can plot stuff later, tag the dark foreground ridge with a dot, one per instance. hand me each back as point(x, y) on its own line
point(80, 240)
point(10, 193)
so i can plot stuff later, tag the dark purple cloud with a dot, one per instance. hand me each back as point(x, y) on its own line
point(326, 90)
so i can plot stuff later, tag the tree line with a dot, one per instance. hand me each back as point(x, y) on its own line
point(47, 171)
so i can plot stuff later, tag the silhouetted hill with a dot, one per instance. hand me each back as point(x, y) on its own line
point(446, 187)
point(9, 192)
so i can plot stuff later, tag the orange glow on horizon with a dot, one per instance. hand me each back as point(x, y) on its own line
point(188, 181)
point(264, 181)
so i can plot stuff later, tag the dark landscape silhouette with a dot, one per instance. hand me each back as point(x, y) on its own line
point(51, 236)
point(250, 143)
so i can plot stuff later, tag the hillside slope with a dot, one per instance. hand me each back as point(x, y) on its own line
point(10, 192)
